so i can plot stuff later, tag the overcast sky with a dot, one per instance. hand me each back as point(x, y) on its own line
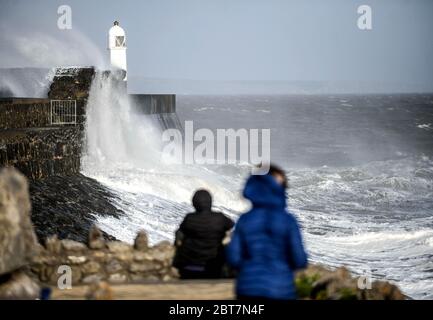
point(262, 40)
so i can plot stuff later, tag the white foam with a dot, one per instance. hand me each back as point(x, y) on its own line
point(384, 238)
point(353, 216)
point(123, 153)
point(426, 126)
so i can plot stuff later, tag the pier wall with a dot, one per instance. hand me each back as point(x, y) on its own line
point(34, 144)
point(39, 147)
point(153, 103)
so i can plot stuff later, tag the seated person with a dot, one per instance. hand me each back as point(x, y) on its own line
point(199, 248)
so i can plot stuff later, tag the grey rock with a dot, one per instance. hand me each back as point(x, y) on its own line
point(113, 266)
point(96, 238)
point(117, 278)
point(53, 245)
point(93, 278)
point(142, 256)
point(77, 259)
point(141, 241)
point(143, 267)
point(20, 286)
point(73, 246)
point(18, 244)
point(118, 246)
point(91, 267)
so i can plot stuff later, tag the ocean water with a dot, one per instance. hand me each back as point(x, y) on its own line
point(360, 171)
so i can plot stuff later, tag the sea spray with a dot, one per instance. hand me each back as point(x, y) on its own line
point(363, 213)
point(123, 152)
point(114, 134)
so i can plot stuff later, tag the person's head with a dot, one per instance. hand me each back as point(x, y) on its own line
point(202, 200)
point(267, 190)
point(279, 175)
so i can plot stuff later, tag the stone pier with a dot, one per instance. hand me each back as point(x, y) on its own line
point(36, 140)
point(46, 144)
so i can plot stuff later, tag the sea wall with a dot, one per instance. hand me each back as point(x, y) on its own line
point(42, 152)
point(153, 103)
point(48, 152)
point(72, 83)
point(33, 143)
point(21, 113)
point(24, 113)
point(39, 147)
point(98, 260)
point(102, 263)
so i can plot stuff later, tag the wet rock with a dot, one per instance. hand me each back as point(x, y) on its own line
point(71, 83)
point(18, 244)
point(65, 206)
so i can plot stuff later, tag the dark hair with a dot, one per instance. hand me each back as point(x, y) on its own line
point(275, 170)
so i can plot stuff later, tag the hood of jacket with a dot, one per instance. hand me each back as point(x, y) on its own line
point(265, 191)
point(202, 201)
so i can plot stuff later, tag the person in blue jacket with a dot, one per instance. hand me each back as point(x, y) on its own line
point(266, 246)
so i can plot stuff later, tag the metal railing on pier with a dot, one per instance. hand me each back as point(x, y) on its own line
point(63, 112)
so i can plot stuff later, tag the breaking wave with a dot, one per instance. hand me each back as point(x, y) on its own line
point(376, 214)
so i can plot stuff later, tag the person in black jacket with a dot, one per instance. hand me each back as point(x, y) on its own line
point(199, 248)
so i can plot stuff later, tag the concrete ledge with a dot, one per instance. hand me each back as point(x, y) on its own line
point(175, 290)
point(16, 100)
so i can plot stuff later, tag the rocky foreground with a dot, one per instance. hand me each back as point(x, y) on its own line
point(66, 206)
point(102, 269)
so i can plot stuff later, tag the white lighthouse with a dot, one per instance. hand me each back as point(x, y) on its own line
point(117, 47)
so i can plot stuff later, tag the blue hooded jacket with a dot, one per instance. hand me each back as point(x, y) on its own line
point(266, 246)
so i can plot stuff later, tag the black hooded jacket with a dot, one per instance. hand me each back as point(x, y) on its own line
point(201, 234)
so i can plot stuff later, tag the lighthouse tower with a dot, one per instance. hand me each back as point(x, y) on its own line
point(117, 47)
